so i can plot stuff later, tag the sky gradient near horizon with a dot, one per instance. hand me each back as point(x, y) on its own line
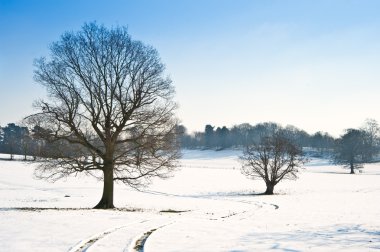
point(311, 64)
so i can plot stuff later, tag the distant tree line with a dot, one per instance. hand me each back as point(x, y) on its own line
point(352, 149)
point(21, 140)
point(245, 134)
point(14, 139)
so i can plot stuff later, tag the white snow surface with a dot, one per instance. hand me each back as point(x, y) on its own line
point(326, 209)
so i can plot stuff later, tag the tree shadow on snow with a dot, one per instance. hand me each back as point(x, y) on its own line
point(39, 209)
point(346, 173)
point(335, 237)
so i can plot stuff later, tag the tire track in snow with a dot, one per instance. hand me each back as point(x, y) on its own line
point(235, 198)
point(214, 197)
point(139, 242)
point(257, 203)
point(245, 214)
point(85, 244)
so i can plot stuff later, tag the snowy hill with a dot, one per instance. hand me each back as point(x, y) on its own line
point(208, 205)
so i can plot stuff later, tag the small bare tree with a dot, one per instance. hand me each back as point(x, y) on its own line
point(351, 150)
point(110, 109)
point(273, 159)
point(371, 130)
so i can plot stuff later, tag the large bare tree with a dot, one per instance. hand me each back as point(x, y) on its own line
point(273, 159)
point(110, 108)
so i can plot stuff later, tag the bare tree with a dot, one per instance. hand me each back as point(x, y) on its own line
point(273, 159)
point(110, 109)
point(351, 150)
point(371, 131)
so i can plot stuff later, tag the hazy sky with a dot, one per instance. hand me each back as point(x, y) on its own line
point(312, 64)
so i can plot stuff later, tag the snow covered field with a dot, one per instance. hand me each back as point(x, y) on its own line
point(206, 206)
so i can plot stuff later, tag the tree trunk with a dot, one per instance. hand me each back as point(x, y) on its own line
point(270, 188)
point(106, 201)
point(352, 168)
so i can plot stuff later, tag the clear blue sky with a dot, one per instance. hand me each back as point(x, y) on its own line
point(312, 64)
